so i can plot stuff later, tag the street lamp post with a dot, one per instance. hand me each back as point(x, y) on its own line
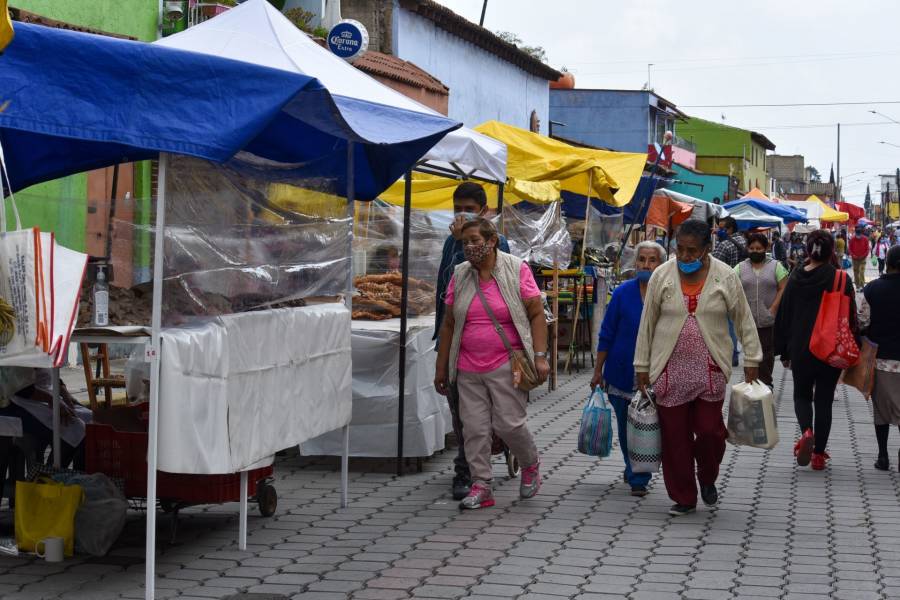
point(891, 119)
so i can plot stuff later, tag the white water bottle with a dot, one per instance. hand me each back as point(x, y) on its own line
point(101, 299)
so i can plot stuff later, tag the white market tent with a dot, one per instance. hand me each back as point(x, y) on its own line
point(257, 33)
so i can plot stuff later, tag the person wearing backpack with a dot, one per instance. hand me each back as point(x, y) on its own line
point(814, 380)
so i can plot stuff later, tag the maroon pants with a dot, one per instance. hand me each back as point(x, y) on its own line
point(692, 432)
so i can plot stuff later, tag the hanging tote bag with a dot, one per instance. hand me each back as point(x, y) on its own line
point(643, 435)
point(751, 416)
point(832, 341)
point(862, 374)
point(595, 434)
point(46, 509)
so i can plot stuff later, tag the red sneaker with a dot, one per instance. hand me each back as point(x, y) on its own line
point(818, 461)
point(804, 447)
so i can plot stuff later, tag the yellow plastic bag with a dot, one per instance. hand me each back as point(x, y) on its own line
point(46, 509)
point(6, 26)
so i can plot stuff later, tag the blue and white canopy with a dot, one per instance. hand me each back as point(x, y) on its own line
point(71, 102)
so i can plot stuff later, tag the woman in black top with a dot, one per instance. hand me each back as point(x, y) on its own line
point(883, 297)
point(814, 380)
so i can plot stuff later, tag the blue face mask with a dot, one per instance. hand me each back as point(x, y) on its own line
point(690, 267)
point(643, 276)
point(721, 234)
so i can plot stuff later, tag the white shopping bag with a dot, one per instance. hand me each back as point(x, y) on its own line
point(41, 281)
point(751, 416)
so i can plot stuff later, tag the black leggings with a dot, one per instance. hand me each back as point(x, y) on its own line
point(814, 385)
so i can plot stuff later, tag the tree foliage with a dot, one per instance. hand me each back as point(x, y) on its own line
point(813, 174)
point(537, 52)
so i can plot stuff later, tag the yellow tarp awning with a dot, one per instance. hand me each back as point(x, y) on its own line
point(6, 26)
point(538, 167)
point(829, 215)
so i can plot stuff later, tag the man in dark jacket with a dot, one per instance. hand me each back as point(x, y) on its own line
point(469, 201)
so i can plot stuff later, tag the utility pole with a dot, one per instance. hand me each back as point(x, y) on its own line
point(837, 191)
point(483, 10)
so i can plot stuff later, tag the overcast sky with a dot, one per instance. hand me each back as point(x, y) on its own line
point(714, 52)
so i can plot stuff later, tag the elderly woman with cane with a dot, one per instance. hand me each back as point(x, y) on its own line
point(684, 350)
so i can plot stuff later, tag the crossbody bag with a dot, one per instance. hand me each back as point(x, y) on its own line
point(525, 376)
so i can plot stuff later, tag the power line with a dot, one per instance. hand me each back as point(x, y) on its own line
point(789, 105)
point(737, 58)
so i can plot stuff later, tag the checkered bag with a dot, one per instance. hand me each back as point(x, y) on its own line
point(643, 435)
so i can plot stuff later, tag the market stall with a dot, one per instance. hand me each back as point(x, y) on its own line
point(751, 213)
point(818, 214)
point(259, 125)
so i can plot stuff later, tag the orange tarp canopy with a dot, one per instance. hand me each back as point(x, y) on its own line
point(666, 213)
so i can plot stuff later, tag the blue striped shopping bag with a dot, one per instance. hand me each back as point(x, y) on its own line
point(595, 435)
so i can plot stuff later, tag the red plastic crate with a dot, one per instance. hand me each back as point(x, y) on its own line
point(123, 454)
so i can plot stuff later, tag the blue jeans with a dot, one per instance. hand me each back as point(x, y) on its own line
point(620, 405)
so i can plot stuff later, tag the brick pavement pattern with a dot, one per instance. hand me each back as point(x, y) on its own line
point(779, 531)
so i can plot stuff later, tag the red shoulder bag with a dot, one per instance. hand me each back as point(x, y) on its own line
point(832, 340)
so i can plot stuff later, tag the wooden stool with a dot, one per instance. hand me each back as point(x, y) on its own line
point(105, 380)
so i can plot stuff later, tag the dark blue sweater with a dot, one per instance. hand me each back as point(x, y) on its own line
point(618, 334)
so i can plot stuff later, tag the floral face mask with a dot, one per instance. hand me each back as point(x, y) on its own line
point(476, 253)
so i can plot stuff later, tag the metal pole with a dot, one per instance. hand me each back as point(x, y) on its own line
point(404, 303)
point(483, 10)
point(153, 427)
point(242, 527)
point(837, 192)
point(54, 390)
point(345, 463)
point(500, 208)
point(351, 204)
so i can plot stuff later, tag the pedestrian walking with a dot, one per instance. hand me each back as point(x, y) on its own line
point(763, 280)
point(614, 367)
point(859, 254)
point(840, 247)
point(880, 252)
point(779, 249)
point(814, 380)
point(883, 296)
point(797, 253)
point(491, 287)
point(469, 202)
point(731, 248)
point(684, 351)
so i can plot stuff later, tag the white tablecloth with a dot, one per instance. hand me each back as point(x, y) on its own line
point(239, 388)
point(373, 429)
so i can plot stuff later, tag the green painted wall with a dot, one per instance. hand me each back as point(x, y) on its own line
point(135, 18)
point(61, 205)
point(721, 148)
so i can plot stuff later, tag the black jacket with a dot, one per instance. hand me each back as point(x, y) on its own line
point(883, 296)
point(799, 308)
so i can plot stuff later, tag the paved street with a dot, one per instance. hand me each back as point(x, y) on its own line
point(779, 531)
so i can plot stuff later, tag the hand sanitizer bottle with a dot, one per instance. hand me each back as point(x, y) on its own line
point(101, 299)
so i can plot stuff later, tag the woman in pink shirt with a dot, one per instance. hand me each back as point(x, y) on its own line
point(473, 359)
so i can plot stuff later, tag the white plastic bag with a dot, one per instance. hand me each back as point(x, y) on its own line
point(101, 518)
point(643, 435)
point(751, 416)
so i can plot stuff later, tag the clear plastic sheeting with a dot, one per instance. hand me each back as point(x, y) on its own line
point(537, 234)
point(377, 248)
point(603, 230)
point(250, 235)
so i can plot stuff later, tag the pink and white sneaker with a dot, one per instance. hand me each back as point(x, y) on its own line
point(531, 481)
point(480, 496)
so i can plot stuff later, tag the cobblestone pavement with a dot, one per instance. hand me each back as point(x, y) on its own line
point(779, 531)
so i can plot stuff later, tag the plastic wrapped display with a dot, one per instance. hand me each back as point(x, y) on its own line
point(537, 234)
point(751, 416)
point(249, 235)
point(377, 261)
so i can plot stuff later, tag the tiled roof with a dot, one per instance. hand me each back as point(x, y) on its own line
point(25, 16)
point(461, 27)
point(397, 69)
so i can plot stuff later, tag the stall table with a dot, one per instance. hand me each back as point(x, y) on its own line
point(373, 426)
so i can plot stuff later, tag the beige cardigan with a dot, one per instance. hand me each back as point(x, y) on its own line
point(664, 316)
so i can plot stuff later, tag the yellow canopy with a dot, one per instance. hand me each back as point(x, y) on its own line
point(829, 215)
point(537, 168)
point(6, 26)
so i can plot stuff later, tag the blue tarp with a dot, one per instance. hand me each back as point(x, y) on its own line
point(788, 214)
point(574, 204)
point(71, 102)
